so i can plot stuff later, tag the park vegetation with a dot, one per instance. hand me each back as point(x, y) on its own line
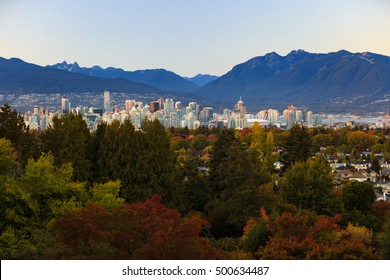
point(156, 193)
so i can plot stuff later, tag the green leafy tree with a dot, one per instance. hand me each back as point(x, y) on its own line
point(309, 185)
point(358, 199)
point(358, 196)
point(384, 240)
point(107, 195)
point(42, 194)
point(8, 161)
point(321, 140)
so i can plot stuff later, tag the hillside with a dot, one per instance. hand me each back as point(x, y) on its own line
point(334, 82)
point(17, 77)
point(157, 78)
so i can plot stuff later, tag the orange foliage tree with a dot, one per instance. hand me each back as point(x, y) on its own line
point(146, 230)
point(316, 237)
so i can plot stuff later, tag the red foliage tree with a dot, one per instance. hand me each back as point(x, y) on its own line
point(133, 231)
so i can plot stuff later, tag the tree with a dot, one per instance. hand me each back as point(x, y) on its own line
point(219, 155)
point(13, 128)
point(256, 233)
point(28, 205)
point(375, 165)
point(50, 188)
point(146, 230)
point(358, 196)
point(295, 147)
point(321, 140)
point(316, 237)
point(107, 195)
point(7, 157)
point(236, 197)
point(68, 141)
point(309, 185)
point(360, 140)
point(194, 184)
point(262, 145)
point(384, 240)
point(112, 139)
point(95, 141)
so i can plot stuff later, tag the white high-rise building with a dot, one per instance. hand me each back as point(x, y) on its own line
point(106, 102)
point(273, 116)
point(309, 119)
point(299, 117)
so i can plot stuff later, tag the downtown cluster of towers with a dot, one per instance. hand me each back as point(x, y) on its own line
point(174, 114)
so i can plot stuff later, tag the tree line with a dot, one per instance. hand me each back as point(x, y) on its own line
point(156, 193)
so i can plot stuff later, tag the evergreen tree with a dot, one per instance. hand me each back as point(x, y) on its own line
point(13, 128)
point(219, 155)
point(375, 165)
point(296, 146)
point(237, 197)
point(68, 141)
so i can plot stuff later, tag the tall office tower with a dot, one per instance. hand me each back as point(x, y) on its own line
point(106, 102)
point(82, 110)
point(273, 116)
point(226, 113)
point(240, 107)
point(317, 120)
point(65, 106)
point(128, 105)
point(309, 118)
point(190, 118)
point(174, 119)
point(138, 105)
point(169, 104)
point(194, 107)
point(290, 115)
point(36, 110)
point(161, 103)
point(331, 120)
point(206, 114)
point(154, 106)
point(299, 116)
point(177, 105)
point(262, 115)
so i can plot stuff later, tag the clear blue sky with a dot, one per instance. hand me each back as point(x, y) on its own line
point(187, 36)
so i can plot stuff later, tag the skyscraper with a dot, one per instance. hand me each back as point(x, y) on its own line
point(290, 116)
point(154, 106)
point(106, 102)
point(128, 105)
point(65, 106)
point(240, 107)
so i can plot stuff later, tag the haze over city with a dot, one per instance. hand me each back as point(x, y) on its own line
point(187, 37)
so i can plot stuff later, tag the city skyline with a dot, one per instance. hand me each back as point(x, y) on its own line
point(188, 37)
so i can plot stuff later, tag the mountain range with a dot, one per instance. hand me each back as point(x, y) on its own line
point(334, 82)
point(19, 77)
point(157, 78)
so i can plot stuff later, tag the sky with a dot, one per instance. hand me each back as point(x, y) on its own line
point(187, 36)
